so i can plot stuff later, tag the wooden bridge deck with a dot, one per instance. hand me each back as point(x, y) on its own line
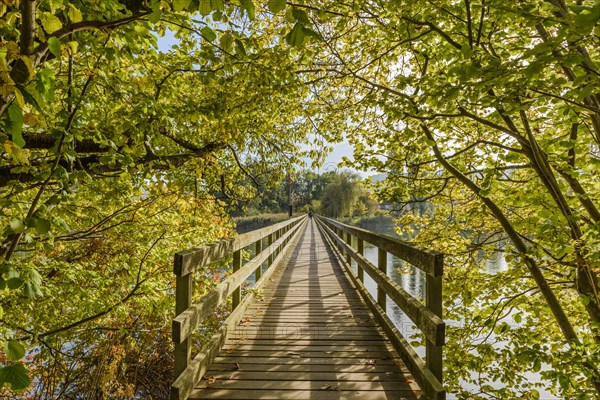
point(308, 336)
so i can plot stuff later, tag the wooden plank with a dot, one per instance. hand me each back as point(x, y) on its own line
point(359, 353)
point(306, 361)
point(316, 394)
point(308, 343)
point(263, 368)
point(304, 385)
point(317, 376)
point(429, 261)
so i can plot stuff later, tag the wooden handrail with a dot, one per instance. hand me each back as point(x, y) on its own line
point(188, 315)
point(427, 317)
point(430, 262)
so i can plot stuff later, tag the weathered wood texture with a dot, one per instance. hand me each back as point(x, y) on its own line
point(187, 372)
point(308, 335)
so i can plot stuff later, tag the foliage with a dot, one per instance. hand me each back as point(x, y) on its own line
point(489, 113)
point(114, 156)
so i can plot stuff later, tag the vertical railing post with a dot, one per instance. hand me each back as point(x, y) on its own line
point(258, 250)
point(360, 246)
point(184, 285)
point(433, 301)
point(236, 296)
point(269, 246)
point(382, 265)
point(349, 241)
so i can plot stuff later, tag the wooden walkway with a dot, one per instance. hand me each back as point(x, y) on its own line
point(308, 336)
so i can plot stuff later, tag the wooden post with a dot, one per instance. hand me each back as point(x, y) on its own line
point(184, 285)
point(258, 272)
point(269, 244)
point(382, 264)
point(236, 296)
point(433, 301)
point(349, 241)
point(361, 250)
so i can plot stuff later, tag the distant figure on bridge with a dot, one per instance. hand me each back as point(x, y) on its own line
point(310, 213)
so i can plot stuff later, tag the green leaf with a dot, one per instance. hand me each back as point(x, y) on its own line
point(14, 350)
point(14, 124)
point(50, 22)
point(277, 5)
point(466, 50)
point(226, 42)
point(180, 5)
point(54, 46)
point(156, 13)
point(217, 5)
point(42, 226)
point(248, 5)
point(239, 48)
point(310, 33)
point(564, 381)
point(587, 19)
point(14, 376)
point(300, 16)
point(29, 98)
point(208, 34)
point(14, 283)
point(205, 8)
point(74, 14)
point(295, 37)
point(17, 226)
point(518, 317)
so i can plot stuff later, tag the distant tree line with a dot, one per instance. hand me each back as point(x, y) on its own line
point(333, 194)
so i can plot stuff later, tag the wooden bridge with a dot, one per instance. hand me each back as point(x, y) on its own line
point(308, 329)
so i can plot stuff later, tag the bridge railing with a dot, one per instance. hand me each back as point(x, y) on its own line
point(427, 317)
point(271, 245)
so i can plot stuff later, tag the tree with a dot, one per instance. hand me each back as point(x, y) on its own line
point(494, 111)
point(339, 197)
point(114, 156)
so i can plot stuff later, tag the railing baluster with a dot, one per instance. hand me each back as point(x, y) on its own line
point(349, 241)
point(269, 244)
point(258, 250)
point(382, 265)
point(236, 296)
point(433, 301)
point(184, 286)
point(361, 250)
